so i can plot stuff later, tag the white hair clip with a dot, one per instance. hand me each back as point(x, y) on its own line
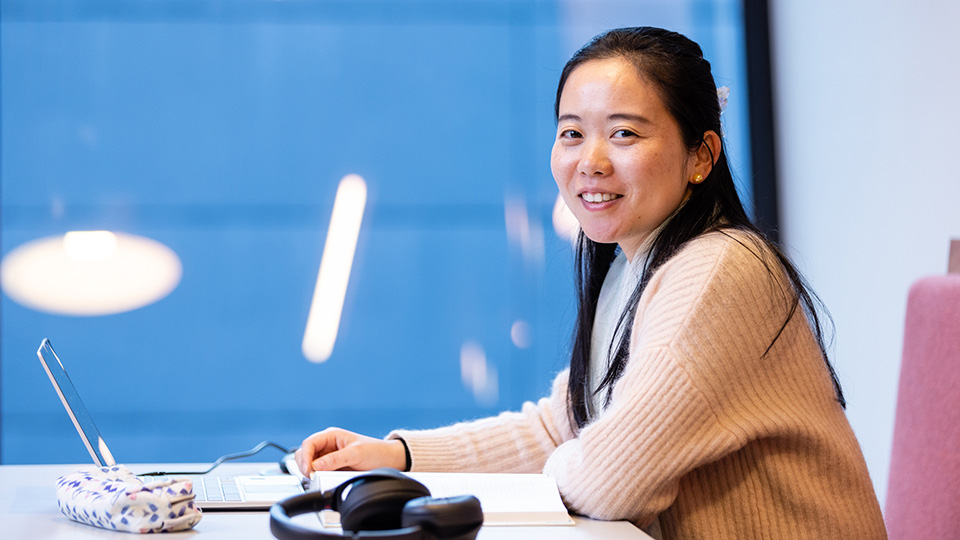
point(723, 93)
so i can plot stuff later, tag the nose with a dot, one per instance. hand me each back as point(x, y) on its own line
point(594, 160)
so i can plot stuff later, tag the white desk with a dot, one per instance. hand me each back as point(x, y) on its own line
point(28, 510)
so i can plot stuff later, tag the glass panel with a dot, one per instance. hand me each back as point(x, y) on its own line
point(222, 131)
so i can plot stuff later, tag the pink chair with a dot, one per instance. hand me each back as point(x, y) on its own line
point(923, 496)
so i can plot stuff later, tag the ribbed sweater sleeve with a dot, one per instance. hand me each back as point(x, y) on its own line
point(510, 442)
point(710, 429)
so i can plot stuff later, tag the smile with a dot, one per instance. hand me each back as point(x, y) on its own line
point(599, 197)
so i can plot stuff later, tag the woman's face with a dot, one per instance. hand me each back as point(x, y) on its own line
point(619, 159)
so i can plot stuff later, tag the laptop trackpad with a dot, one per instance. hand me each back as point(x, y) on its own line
point(269, 488)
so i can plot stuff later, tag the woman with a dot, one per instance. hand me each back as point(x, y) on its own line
point(699, 402)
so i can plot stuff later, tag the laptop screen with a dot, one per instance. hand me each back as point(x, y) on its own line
point(71, 401)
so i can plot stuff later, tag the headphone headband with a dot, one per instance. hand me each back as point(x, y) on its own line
point(334, 499)
point(284, 528)
point(383, 504)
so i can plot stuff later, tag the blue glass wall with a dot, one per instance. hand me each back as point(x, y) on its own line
point(222, 130)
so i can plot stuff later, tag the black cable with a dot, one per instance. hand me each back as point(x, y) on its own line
point(253, 451)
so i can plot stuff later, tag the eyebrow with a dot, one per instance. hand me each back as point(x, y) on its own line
point(634, 117)
point(615, 116)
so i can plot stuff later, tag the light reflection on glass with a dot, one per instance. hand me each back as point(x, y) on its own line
point(477, 374)
point(89, 245)
point(521, 334)
point(90, 273)
point(523, 232)
point(323, 322)
point(564, 222)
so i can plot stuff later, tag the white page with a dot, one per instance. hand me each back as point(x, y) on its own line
point(506, 499)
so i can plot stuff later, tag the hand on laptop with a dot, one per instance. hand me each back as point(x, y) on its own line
point(338, 449)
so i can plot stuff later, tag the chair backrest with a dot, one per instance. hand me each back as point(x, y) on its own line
point(923, 496)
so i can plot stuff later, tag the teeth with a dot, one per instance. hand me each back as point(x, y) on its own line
point(600, 197)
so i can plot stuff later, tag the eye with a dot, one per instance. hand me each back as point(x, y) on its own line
point(623, 133)
point(570, 134)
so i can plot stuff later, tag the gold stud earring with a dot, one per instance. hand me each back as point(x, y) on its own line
point(697, 179)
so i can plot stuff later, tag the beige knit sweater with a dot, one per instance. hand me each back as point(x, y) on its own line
point(705, 432)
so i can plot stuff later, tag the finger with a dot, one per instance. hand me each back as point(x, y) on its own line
point(307, 452)
point(304, 456)
point(301, 461)
point(346, 459)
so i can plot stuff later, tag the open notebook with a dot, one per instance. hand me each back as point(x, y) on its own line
point(212, 491)
point(507, 498)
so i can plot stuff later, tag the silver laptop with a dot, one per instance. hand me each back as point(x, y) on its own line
point(213, 492)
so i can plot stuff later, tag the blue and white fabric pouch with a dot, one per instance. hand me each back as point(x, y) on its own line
point(115, 498)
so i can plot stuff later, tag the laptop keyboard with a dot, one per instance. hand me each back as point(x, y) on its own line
point(216, 488)
point(208, 488)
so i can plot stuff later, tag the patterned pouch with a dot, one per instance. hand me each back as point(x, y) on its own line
point(115, 498)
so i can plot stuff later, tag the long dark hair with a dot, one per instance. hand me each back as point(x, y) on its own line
point(676, 67)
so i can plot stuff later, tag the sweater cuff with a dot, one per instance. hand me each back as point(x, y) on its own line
point(428, 451)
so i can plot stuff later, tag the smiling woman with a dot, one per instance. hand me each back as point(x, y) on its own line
point(698, 390)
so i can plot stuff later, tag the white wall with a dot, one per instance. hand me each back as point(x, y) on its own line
point(867, 97)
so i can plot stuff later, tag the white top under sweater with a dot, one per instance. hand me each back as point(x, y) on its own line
point(618, 285)
point(621, 280)
point(707, 429)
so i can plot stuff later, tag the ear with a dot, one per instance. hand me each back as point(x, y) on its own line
point(706, 156)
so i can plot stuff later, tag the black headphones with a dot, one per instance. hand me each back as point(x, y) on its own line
point(382, 504)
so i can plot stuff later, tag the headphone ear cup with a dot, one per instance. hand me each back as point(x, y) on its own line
point(377, 504)
point(451, 518)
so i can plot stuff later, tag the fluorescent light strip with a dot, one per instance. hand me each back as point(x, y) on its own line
point(323, 322)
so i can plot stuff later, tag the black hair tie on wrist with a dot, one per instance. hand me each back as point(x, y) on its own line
point(406, 452)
